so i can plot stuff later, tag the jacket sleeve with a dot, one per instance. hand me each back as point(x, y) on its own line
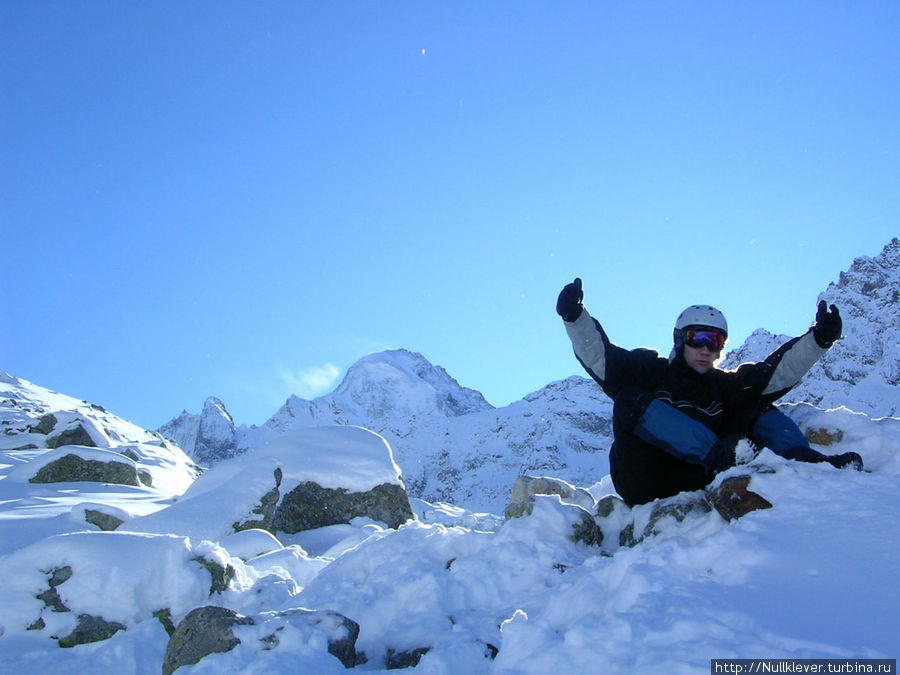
point(609, 365)
point(782, 370)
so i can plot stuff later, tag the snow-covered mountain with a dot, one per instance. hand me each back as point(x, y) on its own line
point(861, 371)
point(208, 437)
point(450, 443)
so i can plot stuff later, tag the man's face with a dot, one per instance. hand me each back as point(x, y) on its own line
point(701, 359)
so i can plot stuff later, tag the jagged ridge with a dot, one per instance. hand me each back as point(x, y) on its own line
point(861, 371)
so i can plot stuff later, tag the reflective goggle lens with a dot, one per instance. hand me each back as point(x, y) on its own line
point(699, 338)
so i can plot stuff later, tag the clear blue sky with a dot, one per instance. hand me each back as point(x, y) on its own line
point(241, 199)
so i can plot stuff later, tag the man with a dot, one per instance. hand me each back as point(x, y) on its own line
point(676, 421)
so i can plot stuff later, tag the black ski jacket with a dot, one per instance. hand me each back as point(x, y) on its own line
point(724, 401)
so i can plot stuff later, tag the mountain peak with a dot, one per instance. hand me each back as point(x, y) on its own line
point(875, 278)
point(401, 378)
point(207, 437)
point(213, 407)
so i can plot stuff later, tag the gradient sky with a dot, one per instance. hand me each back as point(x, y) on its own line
point(241, 199)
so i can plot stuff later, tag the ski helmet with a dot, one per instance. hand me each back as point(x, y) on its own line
point(702, 315)
point(697, 316)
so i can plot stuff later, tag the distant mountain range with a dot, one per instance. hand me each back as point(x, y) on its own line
point(453, 446)
point(450, 443)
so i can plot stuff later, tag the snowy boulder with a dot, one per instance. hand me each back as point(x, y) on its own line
point(262, 514)
point(557, 517)
point(576, 502)
point(90, 629)
point(234, 495)
point(310, 506)
point(337, 474)
point(75, 428)
point(204, 631)
point(212, 630)
point(292, 559)
point(251, 543)
point(650, 519)
point(45, 425)
point(526, 487)
point(104, 516)
point(77, 435)
point(304, 479)
point(733, 500)
point(86, 586)
point(75, 464)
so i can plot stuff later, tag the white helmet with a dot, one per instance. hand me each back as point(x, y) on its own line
point(702, 315)
point(696, 315)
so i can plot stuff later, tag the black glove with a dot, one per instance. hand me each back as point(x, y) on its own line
point(828, 326)
point(568, 305)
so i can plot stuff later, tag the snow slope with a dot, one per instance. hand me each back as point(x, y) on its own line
point(29, 512)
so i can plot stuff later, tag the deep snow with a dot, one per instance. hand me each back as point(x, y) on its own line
point(815, 576)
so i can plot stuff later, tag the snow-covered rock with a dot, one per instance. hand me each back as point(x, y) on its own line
point(211, 629)
point(150, 470)
point(121, 578)
point(303, 479)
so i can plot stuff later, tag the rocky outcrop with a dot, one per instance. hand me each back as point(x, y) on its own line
point(77, 435)
point(206, 438)
point(733, 499)
point(262, 515)
point(204, 631)
point(210, 630)
point(309, 506)
point(71, 468)
point(526, 487)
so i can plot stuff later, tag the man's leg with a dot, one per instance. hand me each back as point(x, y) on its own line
point(781, 435)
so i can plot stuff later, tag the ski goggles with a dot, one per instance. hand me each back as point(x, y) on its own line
point(701, 337)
